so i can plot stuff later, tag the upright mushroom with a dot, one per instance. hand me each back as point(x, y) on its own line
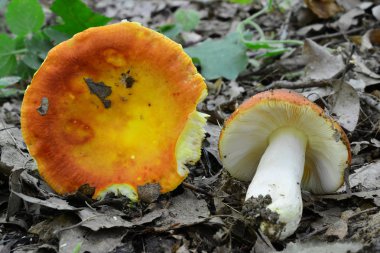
point(280, 141)
point(114, 107)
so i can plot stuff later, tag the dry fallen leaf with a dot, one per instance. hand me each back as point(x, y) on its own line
point(321, 64)
point(367, 176)
point(318, 92)
point(310, 28)
point(234, 90)
point(370, 39)
point(52, 202)
point(323, 247)
point(323, 8)
point(349, 19)
point(102, 241)
point(96, 220)
point(184, 210)
point(346, 106)
point(339, 229)
point(376, 12)
point(348, 4)
point(361, 67)
point(212, 140)
point(47, 229)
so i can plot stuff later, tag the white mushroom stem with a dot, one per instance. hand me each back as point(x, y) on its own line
point(279, 174)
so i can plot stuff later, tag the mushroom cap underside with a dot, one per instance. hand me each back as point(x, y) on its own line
point(245, 136)
point(109, 107)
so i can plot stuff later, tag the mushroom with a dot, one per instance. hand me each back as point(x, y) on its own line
point(282, 142)
point(114, 107)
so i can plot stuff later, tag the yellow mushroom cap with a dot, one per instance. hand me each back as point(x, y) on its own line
point(246, 133)
point(114, 107)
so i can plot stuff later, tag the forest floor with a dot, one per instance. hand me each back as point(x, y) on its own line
point(337, 68)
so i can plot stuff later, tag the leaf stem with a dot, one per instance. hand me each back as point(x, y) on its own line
point(19, 51)
point(262, 42)
point(258, 29)
point(248, 20)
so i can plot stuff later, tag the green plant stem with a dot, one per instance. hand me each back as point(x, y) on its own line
point(248, 20)
point(273, 47)
point(258, 29)
point(292, 42)
point(19, 51)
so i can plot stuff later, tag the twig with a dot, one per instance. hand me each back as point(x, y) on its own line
point(6, 128)
point(337, 34)
point(13, 139)
point(197, 189)
point(298, 84)
point(371, 100)
point(347, 180)
point(78, 224)
point(265, 239)
point(310, 83)
point(369, 210)
point(317, 231)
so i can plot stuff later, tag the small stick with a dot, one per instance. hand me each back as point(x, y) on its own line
point(369, 210)
point(371, 100)
point(347, 180)
point(197, 189)
point(317, 231)
point(298, 84)
point(337, 34)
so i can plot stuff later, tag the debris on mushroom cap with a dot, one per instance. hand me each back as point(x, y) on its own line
point(244, 138)
point(121, 112)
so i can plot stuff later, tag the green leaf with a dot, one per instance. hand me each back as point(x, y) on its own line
point(77, 247)
point(56, 36)
point(3, 3)
point(8, 80)
point(273, 53)
point(76, 16)
point(7, 92)
point(24, 71)
point(38, 45)
point(220, 58)
point(8, 67)
point(187, 19)
point(241, 1)
point(170, 30)
point(6, 45)
point(256, 45)
point(32, 61)
point(7, 60)
point(24, 16)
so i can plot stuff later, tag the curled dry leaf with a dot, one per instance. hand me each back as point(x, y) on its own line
point(212, 140)
point(361, 67)
point(318, 93)
point(323, 8)
point(370, 39)
point(376, 12)
point(349, 19)
point(348, 4)
point(52, 202)
point(310, 28)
